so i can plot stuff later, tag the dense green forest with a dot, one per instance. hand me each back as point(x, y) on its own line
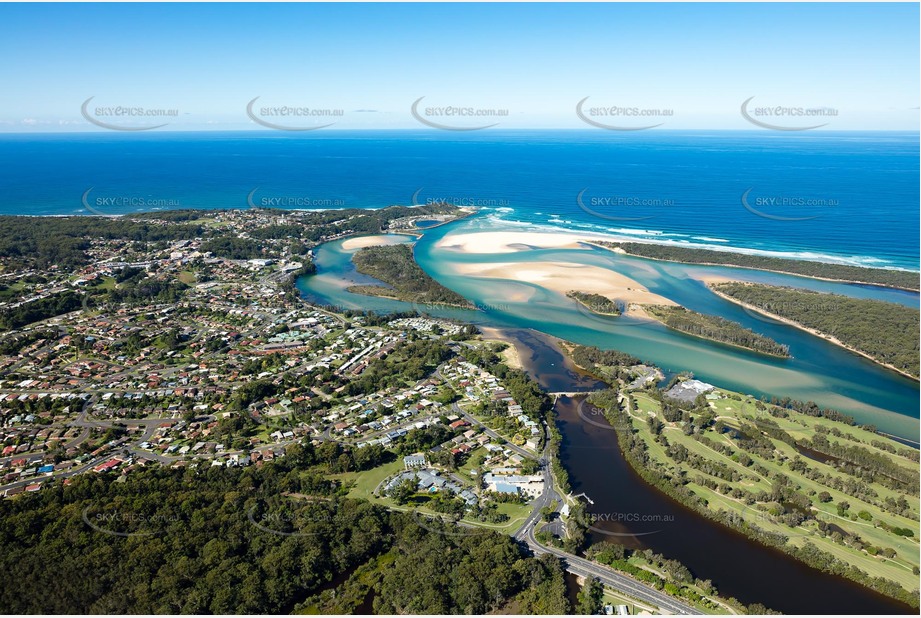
point(41, 309)
point(61, 242)
point(395, 266)
point(887, 332)
point(716, 328)
point(840, 272)
point(589, 356)
point(595, 302)
point(229, 540)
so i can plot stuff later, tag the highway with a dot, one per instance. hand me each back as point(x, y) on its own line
point(609, 577)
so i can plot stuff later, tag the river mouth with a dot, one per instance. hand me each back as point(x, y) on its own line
point(626, 508)
point(818, 371)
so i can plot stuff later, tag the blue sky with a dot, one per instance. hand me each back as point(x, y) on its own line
point(537, 61)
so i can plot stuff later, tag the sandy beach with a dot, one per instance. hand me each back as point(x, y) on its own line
point(708, 279)
point(510, 354)
point(511, 242)
point(563, 277)
point(360, 242)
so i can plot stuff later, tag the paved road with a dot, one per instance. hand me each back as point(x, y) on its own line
point(31, 457)
point(545, 499)
point(609, 577)
point(58, 475)
point(583, 567)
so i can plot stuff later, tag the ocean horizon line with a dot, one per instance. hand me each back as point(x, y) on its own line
point(486, 131)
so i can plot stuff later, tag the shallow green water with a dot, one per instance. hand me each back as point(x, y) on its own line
point(818, 371)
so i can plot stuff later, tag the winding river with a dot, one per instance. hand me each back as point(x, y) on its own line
point(635, 513)
point(818, 370)
point(629, 511)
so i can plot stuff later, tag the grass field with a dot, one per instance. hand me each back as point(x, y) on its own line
point(733, 413)
point(471, 464)
point(366, 482)
point(517, 513)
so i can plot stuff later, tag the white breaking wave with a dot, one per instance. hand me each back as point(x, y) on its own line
point(495, 222)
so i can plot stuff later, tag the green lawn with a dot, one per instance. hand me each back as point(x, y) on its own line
point(367, 480)
point(188, 277)
point(517, 513)
point(898, 569)
point(472, 457)
point(107, 283)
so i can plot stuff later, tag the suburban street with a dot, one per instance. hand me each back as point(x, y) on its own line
point(489, 432)
point(59, 475)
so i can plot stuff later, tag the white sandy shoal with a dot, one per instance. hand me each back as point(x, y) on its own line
point(708, 279)
point(510, 242)
point(360, 242)
point(563, 277)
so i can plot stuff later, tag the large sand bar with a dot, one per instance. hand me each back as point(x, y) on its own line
point(511, 242)
point(360, 242)
point(563, 277)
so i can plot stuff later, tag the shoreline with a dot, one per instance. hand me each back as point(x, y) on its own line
point(563, 346)
point(640, 311)
point(811, 331)
point(510, 355)
point(418, 232)
point(490, 243)
point(602, 313)
point(358, 241)
point(765, 270)
point(365, 290)
point(587, 238)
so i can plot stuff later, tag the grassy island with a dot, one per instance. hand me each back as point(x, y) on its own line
point(596, 303)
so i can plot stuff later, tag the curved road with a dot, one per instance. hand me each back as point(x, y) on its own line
point(609, 577)
point(583, 567)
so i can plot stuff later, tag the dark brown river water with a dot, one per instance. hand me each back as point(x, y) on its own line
point(631, 512)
